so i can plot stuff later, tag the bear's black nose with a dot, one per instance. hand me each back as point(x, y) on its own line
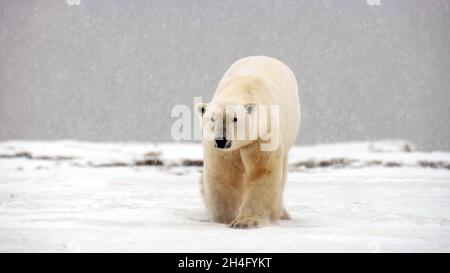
point(222, 143)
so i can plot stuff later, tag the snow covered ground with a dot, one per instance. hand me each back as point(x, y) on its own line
point(76, 196)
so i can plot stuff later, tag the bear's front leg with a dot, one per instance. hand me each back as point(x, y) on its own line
point(263, 179)
point(221, 195)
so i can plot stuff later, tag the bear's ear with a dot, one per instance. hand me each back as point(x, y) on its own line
point(250, 108)
point(200, 108)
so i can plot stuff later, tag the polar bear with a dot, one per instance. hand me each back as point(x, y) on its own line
point(242, 184)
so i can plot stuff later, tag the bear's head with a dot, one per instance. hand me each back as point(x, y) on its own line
point(227, 126)
point(240, 115)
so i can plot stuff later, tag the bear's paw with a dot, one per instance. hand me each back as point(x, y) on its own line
point(246, 222)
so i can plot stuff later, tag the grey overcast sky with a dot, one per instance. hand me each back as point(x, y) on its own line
point(113, 70)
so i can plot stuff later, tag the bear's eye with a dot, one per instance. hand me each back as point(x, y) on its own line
point(235, 120)
point(212, 120)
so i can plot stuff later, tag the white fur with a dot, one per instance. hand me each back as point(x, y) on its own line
point(243, 185)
